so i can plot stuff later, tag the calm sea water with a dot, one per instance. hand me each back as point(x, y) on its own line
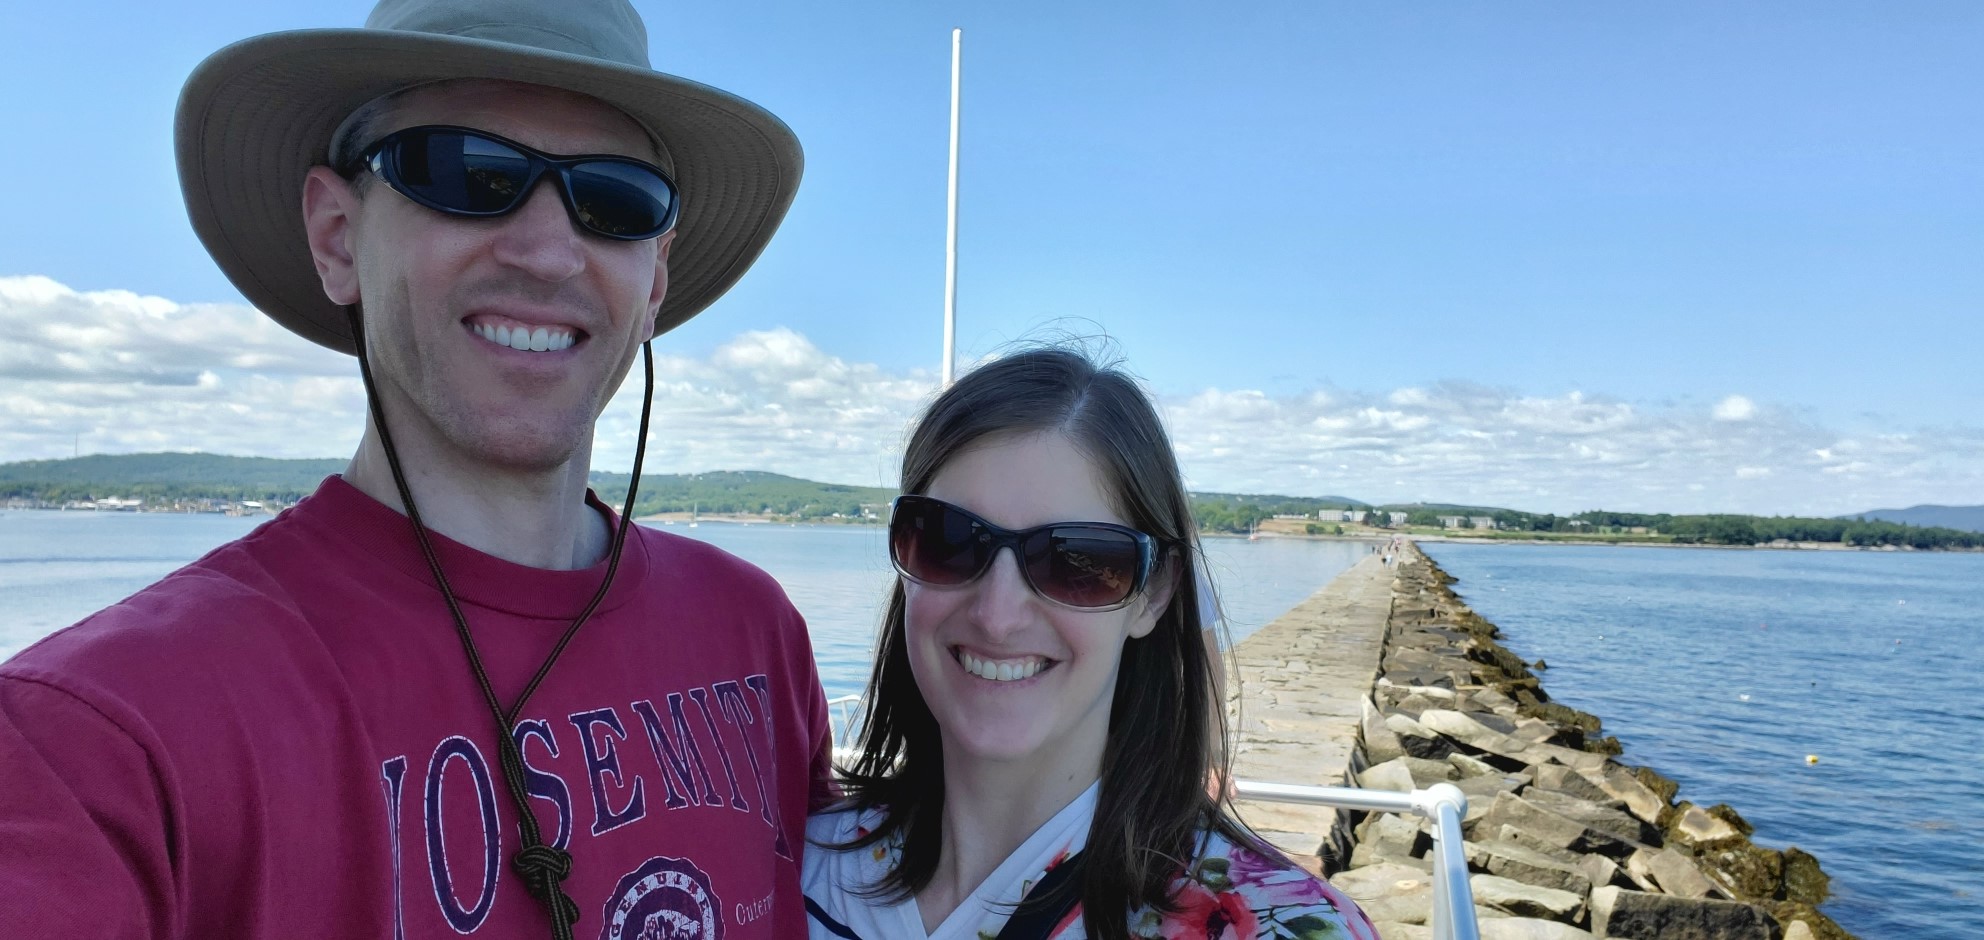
point(1724, 669)
point(56, 567)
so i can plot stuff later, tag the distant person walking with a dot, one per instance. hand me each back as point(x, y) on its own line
point(451, 692)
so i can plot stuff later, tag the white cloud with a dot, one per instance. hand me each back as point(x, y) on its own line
point(1460, 442)
point(114, 371)
point(768, 400)
point(126, 373)
point(1734, 408)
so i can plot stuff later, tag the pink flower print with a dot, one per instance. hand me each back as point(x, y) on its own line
point(1270, 882)
point(1208, 915)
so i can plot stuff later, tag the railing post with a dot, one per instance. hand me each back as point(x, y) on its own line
point(1443, 804)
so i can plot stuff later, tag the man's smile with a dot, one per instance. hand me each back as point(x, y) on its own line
point(516, 334)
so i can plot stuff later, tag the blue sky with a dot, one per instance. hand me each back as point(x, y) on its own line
point(1660, 256)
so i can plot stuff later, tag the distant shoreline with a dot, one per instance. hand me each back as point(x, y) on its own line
point(1617, 543)
point(1378, 536)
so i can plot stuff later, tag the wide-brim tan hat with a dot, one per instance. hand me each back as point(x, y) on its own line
point(257, 115)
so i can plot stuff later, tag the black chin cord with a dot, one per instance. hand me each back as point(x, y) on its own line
point(543, 867)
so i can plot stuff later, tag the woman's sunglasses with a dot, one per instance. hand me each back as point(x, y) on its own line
point(1083, 565)
point(466, 172)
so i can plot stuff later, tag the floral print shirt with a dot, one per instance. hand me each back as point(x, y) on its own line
point(1228, 892)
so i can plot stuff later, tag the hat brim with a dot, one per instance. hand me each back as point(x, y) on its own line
point(257, 115)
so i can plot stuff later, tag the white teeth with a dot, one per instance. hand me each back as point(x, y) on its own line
point(528, 340)
point(1008, 671)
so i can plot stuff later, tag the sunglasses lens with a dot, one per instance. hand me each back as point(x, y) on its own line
point(935, 543)
point(468, 173)
point(621, 200)
point(1084, 566)
point(461, 172)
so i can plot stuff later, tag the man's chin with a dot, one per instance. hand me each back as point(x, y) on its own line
point(515, 451)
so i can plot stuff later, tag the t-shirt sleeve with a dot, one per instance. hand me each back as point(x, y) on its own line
point(83, 832)
point(822, 790)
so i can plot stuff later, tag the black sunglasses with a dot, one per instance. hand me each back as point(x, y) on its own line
point(466, 172)
point(1083, 565)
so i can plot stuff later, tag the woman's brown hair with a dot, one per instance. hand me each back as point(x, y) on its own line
point(1167, 731)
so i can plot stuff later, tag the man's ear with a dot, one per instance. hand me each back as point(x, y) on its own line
point(330, 224)
point(660, 288)
point(1157, 594)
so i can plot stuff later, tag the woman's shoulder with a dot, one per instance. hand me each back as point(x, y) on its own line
point(830, 836)
point(1256, 891)
point(839, 823)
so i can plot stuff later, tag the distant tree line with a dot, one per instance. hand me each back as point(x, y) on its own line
point(1734, 529)
point(1236, 512)
point(747, 492)
point(169, 478)
point(165, 478)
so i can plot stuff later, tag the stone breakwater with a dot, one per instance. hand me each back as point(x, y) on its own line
point(1564, 839)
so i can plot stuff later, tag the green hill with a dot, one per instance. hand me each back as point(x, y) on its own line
point(1965, 518)
point(743, 491)
point(165, 477)
point(163, 480)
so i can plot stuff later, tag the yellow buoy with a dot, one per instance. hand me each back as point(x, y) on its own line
point(1811, 758)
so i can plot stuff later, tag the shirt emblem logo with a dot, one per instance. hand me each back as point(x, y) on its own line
point(664, 899)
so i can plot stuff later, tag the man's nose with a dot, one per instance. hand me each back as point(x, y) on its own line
point(539, 236)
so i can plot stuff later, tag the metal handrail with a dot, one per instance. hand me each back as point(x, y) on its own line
point(847, 710)
point(1442, 803)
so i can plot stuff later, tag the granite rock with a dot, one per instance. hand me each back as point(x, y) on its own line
point(1524, 864)
point(1391, 775)
point(1572, 783)
point(1389, 892)
point(1677, 875)
point(1623, 785)
point(1393, 930)
point(1638, 915)
point(1379, 742)
point(1526, 900)
point(1803, 880)
point(1545, 827)
point(1696, 827)
point(1616, 823)
point(1524, 928)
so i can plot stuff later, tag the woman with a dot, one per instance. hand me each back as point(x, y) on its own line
point(1042, 719)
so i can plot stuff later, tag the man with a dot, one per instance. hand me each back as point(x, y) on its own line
point(449, 693)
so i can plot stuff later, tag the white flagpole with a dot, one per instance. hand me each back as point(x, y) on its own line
point(951, 234)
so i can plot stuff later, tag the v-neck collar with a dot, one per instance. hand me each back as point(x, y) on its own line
point(1065, 833)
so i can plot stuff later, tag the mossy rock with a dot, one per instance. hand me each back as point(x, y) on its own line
point(1661, 786)
point(1571, 737)
point(1566, 717)
point(1529, 684)
point(1607, 745)
point(1755, 873)
point(1527, 691)
point(1822, 927)
point(1728, 814)
point(1500, 658)
point(1804, 880)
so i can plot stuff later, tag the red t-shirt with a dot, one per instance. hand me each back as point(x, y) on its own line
point(283, 739)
